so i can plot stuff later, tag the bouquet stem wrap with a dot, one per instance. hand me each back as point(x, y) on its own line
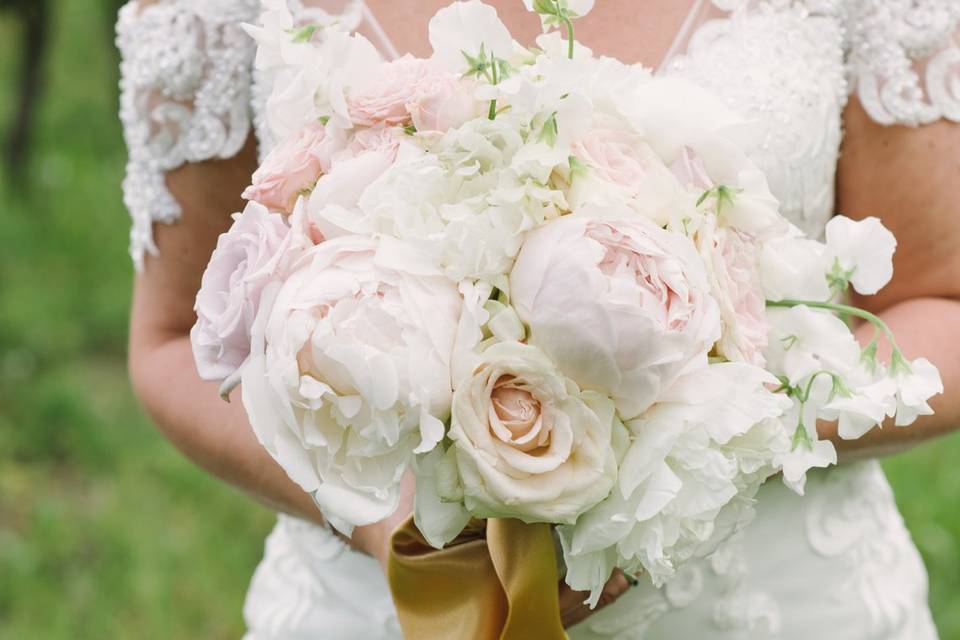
point(494, 582)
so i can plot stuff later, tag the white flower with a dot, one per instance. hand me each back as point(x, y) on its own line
point(622, 306)
point(794, 267)
point(693, 459)
point(465, 205)
point(804, 341)
point(916, 384)
point(797, 462)
point(465, 27)
point(439, 512)
point(528, 443)
point(548, 9)
point(864, 250)
point(349, 373)
point(860, 409)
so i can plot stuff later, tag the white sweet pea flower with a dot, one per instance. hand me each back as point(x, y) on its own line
point(528, 443)
point(863, 252)
point(349, 372)
point(804, 341)
point(916, 383)
point(623, 306)
point(794, 267)
point(465, 27)
point(550, 11)
point(820, 455)
point(859, 410)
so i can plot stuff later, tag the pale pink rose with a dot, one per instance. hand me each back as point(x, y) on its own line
point(618, 156)
point(384, 99)
point(732, 265)
point(364, 157)
point(442, 101)
point(247, 257)
point(294, 165)
point(622, 306)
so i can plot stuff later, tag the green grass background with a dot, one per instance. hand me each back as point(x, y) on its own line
point(105, 531)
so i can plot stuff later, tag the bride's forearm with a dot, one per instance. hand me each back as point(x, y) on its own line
point(923, 327)
point(217, 436)
point(212, 433)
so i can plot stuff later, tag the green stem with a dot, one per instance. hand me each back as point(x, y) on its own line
point(840, 308)
point(492, 114)
point(568, 23)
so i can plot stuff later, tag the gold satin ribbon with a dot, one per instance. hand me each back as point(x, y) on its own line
point(496, 581)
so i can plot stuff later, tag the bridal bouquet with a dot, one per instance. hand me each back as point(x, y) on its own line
point(551, 285)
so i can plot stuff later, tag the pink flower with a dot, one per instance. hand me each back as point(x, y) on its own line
point(731, 256)
point(246, 259)
point(294, 165)
point(383, 100)
point(365, 157)
point(618, 156)
point(622, 306)
point(441, 102)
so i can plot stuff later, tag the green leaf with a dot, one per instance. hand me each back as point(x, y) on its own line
point(577, 168)
point(549, 132)
point(305, 33)
point(324, 120)
point(410, 129)
point(546, 7)
point(801, 438)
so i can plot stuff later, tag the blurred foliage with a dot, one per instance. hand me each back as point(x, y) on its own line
point(105, 531)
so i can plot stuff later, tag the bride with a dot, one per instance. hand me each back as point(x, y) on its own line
point(882, 77)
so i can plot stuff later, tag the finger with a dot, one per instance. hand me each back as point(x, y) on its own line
point(572, 607)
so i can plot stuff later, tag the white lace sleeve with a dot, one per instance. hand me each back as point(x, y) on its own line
point(185, 97)
point(904, 59)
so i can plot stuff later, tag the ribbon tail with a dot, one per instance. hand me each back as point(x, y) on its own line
point(495, 585)
point(524, 557)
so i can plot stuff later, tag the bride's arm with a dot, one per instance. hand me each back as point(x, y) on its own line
point(910, 179)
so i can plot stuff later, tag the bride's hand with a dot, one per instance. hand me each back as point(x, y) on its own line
point(572, 607)
point(374, 539)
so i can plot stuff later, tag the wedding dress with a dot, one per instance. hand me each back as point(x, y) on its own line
point(837, 563)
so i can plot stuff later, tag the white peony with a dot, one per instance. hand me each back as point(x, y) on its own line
point(695, 458)
point(349, 373)
point(623, 306)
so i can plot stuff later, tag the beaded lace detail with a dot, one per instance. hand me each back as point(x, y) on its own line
point(185, 97)
point(905, 59)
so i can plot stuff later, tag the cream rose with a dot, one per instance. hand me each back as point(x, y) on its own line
point(528, 444)
point(622, 306)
